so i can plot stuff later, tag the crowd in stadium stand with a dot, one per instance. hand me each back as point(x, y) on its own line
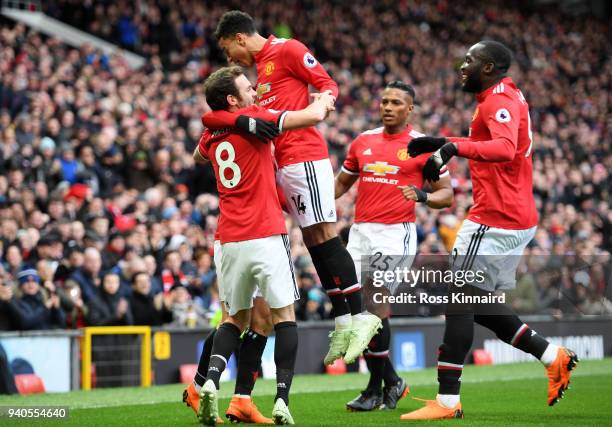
point(106, 220)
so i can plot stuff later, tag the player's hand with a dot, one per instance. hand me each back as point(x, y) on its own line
point(431, 170)
point(325, 92)
point(425, 144)
point(325, 98)
point(412, 192)
point(262, 129)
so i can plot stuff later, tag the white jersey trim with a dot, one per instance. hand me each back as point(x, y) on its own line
point(373, 131)
point(281, 121)
point(345, 170)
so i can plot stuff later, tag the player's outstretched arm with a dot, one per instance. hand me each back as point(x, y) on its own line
point(263, 129)
point(343, 182)
point(311, 115)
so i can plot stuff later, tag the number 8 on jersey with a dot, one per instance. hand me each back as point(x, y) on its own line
point(227, 147)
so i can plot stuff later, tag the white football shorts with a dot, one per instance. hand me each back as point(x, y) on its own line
point(309, 189)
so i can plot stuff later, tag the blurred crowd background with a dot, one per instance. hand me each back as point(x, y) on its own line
point(106, 220)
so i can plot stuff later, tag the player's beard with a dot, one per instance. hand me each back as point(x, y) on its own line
point(472, 84)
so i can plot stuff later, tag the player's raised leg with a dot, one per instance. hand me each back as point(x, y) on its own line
point(558, 361)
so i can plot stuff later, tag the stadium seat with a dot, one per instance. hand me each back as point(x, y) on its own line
point(336, 368)
point(29, 384)
point(482, 357)
point(187, 372)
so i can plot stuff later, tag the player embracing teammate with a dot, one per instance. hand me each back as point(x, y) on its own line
point(285, 69)
point(252, 233)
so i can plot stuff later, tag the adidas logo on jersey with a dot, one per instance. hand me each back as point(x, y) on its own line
point(367, 152)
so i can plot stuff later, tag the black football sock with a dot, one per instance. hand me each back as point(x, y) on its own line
point(341, 267)
point(376, 356)
point(285, 352)
point(390, 377)
point(224, 344)
point(200, 376)
point(511, 330)
point(319, 254)
point(253, 345)
point(458, 337)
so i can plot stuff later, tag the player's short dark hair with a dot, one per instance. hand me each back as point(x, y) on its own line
point(234, 22)
point(220, 84)
point(497, 53)
point(398, 84)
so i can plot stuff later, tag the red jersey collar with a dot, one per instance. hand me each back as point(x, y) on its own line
point(402, 134)
point(482, 95)
point(264, 48)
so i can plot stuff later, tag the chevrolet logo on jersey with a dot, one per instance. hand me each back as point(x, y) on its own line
point(381, 168)
point(263, 88)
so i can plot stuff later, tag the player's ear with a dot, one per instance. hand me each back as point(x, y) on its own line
point(240, 39)
point(232, 101)
point(488, 68)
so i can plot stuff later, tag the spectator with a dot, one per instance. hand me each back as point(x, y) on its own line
point(108, 308)
point(10, 319)
point(76, 311)
point(35, 311)
point(87, 277)
point(172, 274)
point(147, 309)
point(184, 311)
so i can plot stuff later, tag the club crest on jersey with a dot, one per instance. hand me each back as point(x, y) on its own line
point(309, 60)
point(263, 88)
point(502, 116)
point(269, 69)
point(381, 168)
point(402, 154)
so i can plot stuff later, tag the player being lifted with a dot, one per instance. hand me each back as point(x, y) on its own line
point(390, 183)
point(285, 68)
point(499, 226)
point(252, 233)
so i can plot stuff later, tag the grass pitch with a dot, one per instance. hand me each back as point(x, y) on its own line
point(498, 395)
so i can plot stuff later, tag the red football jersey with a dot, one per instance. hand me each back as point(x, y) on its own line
point(499, 148)
point(244, 169)
point(382, 163)
point(285, 68)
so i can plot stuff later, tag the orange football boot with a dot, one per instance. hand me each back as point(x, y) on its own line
point(192, 399)
point(243, 410)
point(559, 374)
point(433, 411)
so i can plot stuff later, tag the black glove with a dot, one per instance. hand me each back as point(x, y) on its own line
point(425, 144)
point(431, 170)
point(421, 195)
point(262, 129)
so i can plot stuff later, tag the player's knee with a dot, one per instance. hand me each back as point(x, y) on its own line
point(240, 320)
point(318, 233)
point(261, 324)
point(285, 314)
